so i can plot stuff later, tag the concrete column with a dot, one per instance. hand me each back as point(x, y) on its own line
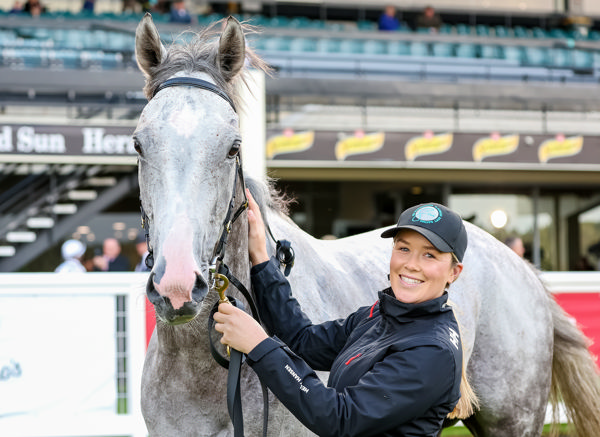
point(253, 125)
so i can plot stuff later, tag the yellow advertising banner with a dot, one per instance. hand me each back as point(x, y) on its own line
point(359, 144)
point(289, 142)
point(428, 144)
point(494, 145)
point(559, 147)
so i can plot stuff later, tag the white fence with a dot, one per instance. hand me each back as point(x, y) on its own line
point(72, 350)
point(71, 354)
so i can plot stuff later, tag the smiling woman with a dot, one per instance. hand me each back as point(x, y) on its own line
point(407, 345)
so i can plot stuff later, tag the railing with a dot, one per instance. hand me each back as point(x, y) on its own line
point(71, 354)
point(72, 348)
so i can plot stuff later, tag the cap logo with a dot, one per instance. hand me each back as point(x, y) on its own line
point(427, 214)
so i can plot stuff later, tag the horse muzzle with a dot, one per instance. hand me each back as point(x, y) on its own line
point(174, 307)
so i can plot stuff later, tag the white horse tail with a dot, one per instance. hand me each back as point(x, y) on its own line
point(575, 379)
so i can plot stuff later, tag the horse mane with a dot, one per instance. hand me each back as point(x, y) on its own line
point(267, 196)
point(200, 55)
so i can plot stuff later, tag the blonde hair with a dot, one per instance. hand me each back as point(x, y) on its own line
point(468, 402)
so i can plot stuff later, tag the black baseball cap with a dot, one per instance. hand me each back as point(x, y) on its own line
point(441, 226)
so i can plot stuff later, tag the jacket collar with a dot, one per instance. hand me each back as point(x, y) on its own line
point(390, 306)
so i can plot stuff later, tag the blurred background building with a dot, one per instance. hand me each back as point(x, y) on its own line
point(493, 110)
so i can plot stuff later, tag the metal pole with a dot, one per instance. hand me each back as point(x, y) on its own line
point(536, 249)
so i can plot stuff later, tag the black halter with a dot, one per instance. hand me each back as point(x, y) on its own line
point(198, 83)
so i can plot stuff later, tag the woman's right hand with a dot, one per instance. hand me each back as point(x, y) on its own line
point(257, 243)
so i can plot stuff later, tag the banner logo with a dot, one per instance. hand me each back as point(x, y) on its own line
point(560, 147)
point(494, 145)
point(359, 144)
point(289, 142)
point(428, 144)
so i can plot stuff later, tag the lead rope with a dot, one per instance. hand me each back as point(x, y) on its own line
point(220, 278)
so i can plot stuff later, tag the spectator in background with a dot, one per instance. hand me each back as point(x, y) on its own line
point(111, 259)
point(72, 251)
point(34, 8)
point(88, 6)
point(429, 19)
point(388, 20)
point(516, 244)
point(141, 246)
point(17, 8)
point(179, 13)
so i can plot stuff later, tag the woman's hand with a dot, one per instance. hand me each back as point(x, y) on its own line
point(239, 329)
point(257, 243)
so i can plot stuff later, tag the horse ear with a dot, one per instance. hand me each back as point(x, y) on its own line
point(149, 51)
point(232, 49)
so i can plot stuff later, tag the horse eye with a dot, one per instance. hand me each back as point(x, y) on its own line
point(137, 146)
point(235, 149)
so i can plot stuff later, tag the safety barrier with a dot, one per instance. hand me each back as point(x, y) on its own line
point(72, 349)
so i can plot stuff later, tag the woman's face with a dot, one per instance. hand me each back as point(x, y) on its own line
point(418, 271)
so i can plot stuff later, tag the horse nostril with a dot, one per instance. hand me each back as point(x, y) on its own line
point(153, 296)
point(200, 288)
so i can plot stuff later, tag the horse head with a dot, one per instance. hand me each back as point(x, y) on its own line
point(188, 141)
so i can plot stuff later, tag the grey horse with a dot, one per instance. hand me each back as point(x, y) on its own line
point(520, 347)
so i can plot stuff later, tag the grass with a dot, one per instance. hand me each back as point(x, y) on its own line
point(461, 431)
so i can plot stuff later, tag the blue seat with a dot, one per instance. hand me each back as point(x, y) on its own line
point(466, 50)
point(538, 32)
point(303, 45)
point(328, 45)
point(463, 29)
point(503, 32)
point(594, 35)
point(299, 23)
point(582, 59)
point(366, 25)
point(375, 47)
point(536, 55)
point(513, 53)
point(398, 48)
point(442, 49)
point(482, 30)
point(559, 57)
point(353, 46)
point(488, 51)
point(276, 43)
point(419, 48)
point(69, 59)
point(522, 32)
point(446, 29)
point(558, 33)
point(279, 22)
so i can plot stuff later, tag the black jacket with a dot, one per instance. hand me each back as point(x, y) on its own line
point(395, 368)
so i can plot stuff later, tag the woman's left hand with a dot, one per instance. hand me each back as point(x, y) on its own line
point(239, 329)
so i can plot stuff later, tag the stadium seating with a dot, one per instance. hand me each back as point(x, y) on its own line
point(35, 46)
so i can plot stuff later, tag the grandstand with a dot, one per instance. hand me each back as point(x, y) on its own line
point(517, 69)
